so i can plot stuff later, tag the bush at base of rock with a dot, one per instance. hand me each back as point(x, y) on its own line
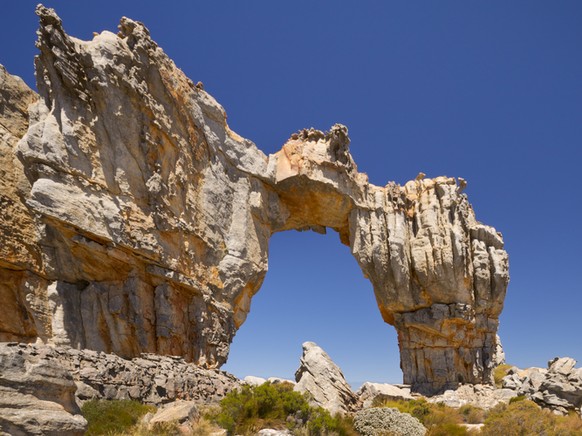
point(384, 420)
point(436, 417)
point(526, 418)
point(252, 408)
point(499, 372)
point(110, 417)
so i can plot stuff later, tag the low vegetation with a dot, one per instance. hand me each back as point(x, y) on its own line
point(526, 418)
point(499, 372)
point(437, 418)
point(521, 417)
point(247, 410)
point(113, 417)
point(251, 408)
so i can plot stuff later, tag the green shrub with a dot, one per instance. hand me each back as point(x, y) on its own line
point(251, 408)
point(110, 417)
point(516, 399)
point(322, 423)
point(499, 372)
point(420, 408)
point(447, 429)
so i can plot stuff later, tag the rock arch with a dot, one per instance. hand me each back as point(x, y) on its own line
point(148, 219)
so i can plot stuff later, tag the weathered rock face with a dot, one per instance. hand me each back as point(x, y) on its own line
point(322, 379)
point(21, 286)
point(139, 222)
point(37, 397)
point(149, 378)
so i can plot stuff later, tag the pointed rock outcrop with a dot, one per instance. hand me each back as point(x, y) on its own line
point(138, 221)
point(323, 381)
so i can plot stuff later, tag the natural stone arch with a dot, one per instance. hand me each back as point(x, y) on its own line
point(439, 276)
point(150, 220)
point(314, 290)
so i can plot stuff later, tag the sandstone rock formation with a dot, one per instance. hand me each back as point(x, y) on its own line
point(150, 379)
point(37, 397)
point(137, 221)
point(558, 388)
point(322, 379)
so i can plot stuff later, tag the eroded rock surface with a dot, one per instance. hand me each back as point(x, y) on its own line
point(559, 387)
point(323, 381)
point(149, 379)
point(37, 397)
point(139, 222)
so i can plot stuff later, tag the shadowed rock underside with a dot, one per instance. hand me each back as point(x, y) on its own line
point(134, 220)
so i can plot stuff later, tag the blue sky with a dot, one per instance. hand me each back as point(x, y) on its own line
point(490, 91)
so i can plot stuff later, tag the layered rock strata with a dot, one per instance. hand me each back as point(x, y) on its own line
point(139, 222)
point(89, 375)
point(37, 396)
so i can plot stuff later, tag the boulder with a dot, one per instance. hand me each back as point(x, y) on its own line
point(559, 387)
point(254, 381)
point(37, 397)
point(379, 421)
point(180, 412)
point(483, 396)
point(369, 392)
point(524, 381)
point(322, 379)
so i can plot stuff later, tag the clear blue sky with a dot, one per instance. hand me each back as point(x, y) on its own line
point(487, 90)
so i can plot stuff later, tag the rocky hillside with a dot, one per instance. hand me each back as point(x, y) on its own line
point(134, 220)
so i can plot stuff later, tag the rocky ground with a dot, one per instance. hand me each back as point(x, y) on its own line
point(42, 388)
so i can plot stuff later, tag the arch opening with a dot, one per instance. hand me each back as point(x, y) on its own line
point(315, 291)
